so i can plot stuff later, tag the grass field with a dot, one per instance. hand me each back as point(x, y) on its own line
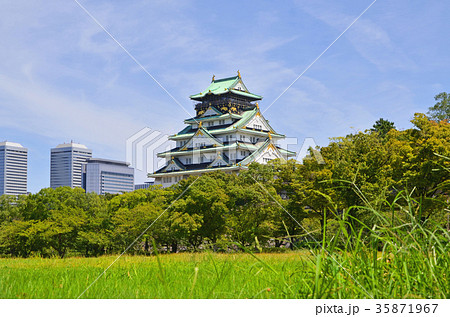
point(209, 275)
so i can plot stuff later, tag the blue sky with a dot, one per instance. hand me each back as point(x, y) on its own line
point(62, 78)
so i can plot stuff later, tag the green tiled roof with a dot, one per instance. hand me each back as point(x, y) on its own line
point(287, 152)
point(225, 85)
point(246, 117)
point(204, 170)
point(221, 116)
point(252, 156)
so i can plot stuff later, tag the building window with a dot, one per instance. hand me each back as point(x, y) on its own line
point(200, 144)
point(189, 160)
point(242, 137)
point(266, 160)
point(242, 153)
point(257, 126)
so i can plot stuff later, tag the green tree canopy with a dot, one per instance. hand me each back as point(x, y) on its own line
point(383, 126)
point(441, 110)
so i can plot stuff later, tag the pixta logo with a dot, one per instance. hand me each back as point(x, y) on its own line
point(142, 148)
point(308, 150)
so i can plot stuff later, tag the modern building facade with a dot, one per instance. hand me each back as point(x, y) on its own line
point(228, 133)
point(66, 162)
point(13, 169)
point(143, 186)
point(107, 176)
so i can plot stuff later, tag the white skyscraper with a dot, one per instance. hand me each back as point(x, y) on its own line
point(66, 164)
point(13, 168)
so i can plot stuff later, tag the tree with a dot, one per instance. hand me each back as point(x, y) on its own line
point(383, 127)
point(422, 167)
point(441, 110)
point(94, 237)
point(253, 213)
point(206, 199)
point(60, 230)
point(17, 239)
point(129, 224)
point(289, 185)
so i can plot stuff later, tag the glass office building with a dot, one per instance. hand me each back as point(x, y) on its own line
point(66, 161)
point(13, 169)
point(107, 176)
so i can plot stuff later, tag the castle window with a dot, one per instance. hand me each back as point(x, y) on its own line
point(200, 144)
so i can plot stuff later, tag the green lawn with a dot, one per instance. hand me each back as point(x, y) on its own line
point(209, 275)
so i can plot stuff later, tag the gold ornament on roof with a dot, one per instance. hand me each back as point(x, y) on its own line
point(239, 74)
point(257, 106)
point(214, 76)
point(199, 124)
point(270, 136)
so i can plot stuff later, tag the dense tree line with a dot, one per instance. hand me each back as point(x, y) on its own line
point(279, 204)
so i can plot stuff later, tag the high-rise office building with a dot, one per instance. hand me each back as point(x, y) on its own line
point(107, 176)
point(66, 162)
point(13, 168)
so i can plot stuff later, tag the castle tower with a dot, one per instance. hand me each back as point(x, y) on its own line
point(228, 133)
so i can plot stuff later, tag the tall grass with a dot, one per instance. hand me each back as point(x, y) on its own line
point(398, 256)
